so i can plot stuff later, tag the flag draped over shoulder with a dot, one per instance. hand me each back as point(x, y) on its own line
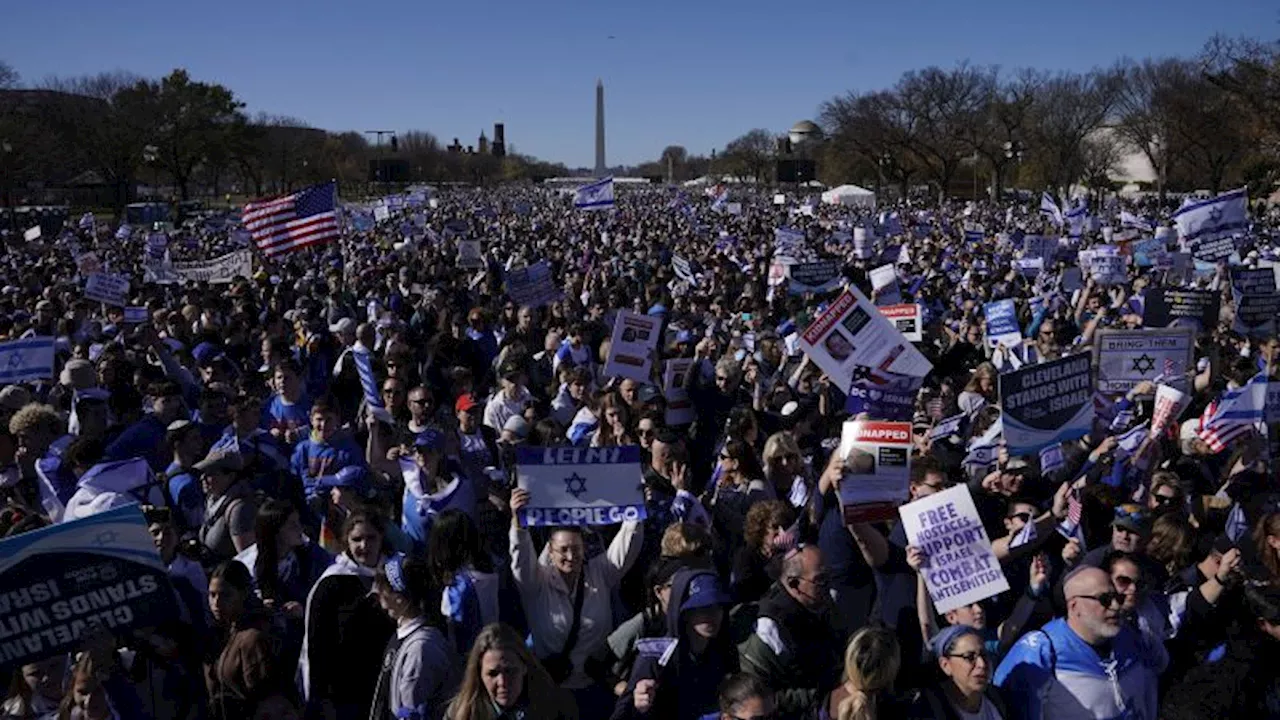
point(293, 222)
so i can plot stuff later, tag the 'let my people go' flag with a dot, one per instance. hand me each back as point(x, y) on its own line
point(960, 567)
point(580, 486)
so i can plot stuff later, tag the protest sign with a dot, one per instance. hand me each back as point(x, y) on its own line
point(580, 486)
point(779, 199)
point(733, 208)
point(222, 269)
point(107, 288)
point(1169, 404)
point(469, 256)
point(1002, 323)
point(680, 410)
point(974, 233)
point(136, 315)
point(1029, 267)
point(1213, 250)
point(1107, 266)
point(852, 333)
point(1038, 246)
point(960, 567)
point(633, 347)
point(1125, 358)
point(31, 233)
point(884, 285)
point(1164, 306)
point(883, 396)
point(1256, 299)
point(63, 581)
point(1072, 280)
point(862, 241)
point(88, 264)
point(1151, 253)
point(907, 318)
point(27, 359)
point(381, 213)
point(532, 285)
point(814, 277)
point(1046, 404)
point(877, 469)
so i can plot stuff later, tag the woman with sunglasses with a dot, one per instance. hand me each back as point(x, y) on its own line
point(964, 690)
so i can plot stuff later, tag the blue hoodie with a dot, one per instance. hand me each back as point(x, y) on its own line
point(687, 684)
point(315, 460)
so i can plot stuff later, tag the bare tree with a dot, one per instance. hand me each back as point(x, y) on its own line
point(1070, 107)
point(942, 104)
point(1145, 111)
point(8, 76)
point(750, 155)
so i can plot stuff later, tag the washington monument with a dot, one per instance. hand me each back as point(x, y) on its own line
point(601, 169)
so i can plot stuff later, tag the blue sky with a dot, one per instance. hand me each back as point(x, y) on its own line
point(694, 72)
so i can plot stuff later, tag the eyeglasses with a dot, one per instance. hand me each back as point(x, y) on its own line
point(1106, 599)
point(971, 657)
point(1165, 499)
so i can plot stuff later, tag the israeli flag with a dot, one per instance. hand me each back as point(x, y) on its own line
point(584, 423)
point(1051, 459)
point(719, 201)
point(983, 451)
point(27, 359)
point(86, 221)
point(419, 507)
point(1049, 206)
point(787, 241)
point(368, 383)
point(1077, 220)
point(1133, 222)
point(1222, 216)
point(1026, 535)
point(110, 485)
point(580, 486)
point(123, 232)
point(1237, 525)
point(947, 427)
point(596, 196)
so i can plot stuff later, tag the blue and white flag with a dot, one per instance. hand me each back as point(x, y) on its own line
point(419, 507)
point(1134, 222)
point(368, 383)
point(1237, 524)
point(86, 221)
point(787, 241)
point(27, 359)
point(580, 486)
point(1051, 459)
point(1049, 207)
point(596, 196)
point(1026, 534)
point(1222, 216)
point(1128, 443)
point(1234, 414)
point(947, 427)
point(111, 485)
point(1077, 219)
point(983, 451)
point(123, 232)
point(584, 423)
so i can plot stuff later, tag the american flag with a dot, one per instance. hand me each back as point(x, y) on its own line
point(1234, 414)
point(293, 222)
point(1070, 525)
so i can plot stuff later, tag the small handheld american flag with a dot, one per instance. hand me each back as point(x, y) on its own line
point(293, 222)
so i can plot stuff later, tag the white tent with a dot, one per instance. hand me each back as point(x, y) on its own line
point(851, 196)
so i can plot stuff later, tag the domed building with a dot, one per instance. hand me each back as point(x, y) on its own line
point(803, 132)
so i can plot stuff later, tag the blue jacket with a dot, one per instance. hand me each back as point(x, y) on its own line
point(314, 461)
point(1054, 674)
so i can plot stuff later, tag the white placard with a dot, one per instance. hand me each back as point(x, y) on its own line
point(680, 410)
point(853, 333)
point(632, 349)
point(960, 567)
point(877, 469)
point(107, 288)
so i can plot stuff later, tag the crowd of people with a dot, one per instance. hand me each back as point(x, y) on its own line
point(333, 559)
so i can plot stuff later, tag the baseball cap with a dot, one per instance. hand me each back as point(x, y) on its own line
point(78, 373)
point(1132, 517)
point(704, 591)
point(207, 353)
point(465, 403)
point(219, 461)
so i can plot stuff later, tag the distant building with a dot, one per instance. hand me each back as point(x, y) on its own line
point(482, 145)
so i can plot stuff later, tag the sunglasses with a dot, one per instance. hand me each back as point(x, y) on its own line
point(1106, 599)
point(1023, 516)
point(1165, 499)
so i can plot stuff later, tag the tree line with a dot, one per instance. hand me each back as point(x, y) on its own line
point(195, 138)
point(1209, 122)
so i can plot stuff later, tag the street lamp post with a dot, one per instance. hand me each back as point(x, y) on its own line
point(1013, 150)
point(7, 150)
